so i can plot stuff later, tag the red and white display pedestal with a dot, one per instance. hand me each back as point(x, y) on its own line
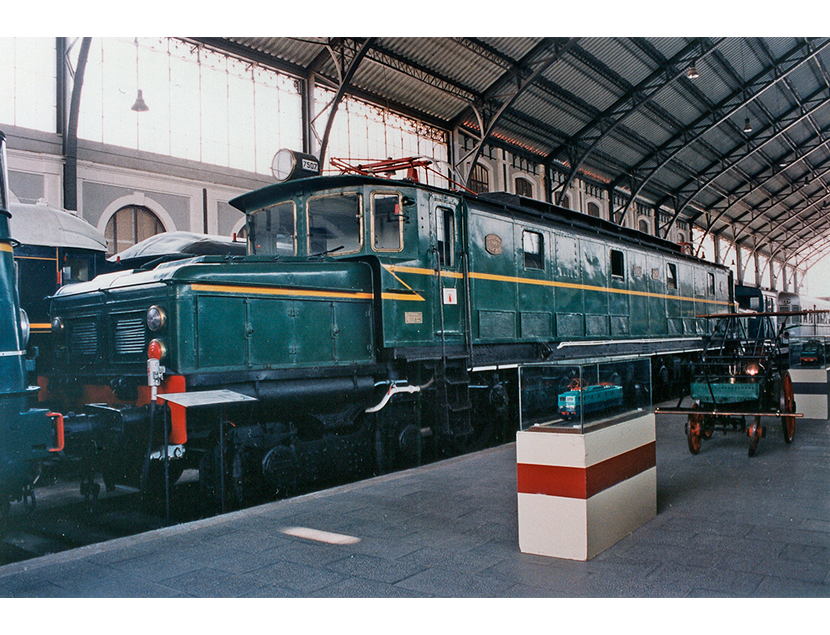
point(581, 492)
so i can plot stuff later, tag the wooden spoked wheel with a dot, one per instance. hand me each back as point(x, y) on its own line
point(754, 433)
point(693, 432)
point(787, 405)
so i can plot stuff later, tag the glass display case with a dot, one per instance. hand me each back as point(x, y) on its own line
point(584, 395)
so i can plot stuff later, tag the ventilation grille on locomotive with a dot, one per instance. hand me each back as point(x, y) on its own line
point(83, 339)
point(129, 336)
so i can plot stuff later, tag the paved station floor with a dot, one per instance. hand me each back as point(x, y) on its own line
point(727, 526)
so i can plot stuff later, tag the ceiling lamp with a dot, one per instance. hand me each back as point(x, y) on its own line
point(691, 72)
point(747, 126)
point(140, 105)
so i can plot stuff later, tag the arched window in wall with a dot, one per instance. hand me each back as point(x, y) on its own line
point(593, 210)
point(524, 187)
point(129, 225)
point(566, 202)
point(644, 226)
point(480, 180)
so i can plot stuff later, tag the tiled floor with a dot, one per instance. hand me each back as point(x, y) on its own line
point(727, 526)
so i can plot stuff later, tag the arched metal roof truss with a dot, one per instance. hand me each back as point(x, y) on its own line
point(741, 151)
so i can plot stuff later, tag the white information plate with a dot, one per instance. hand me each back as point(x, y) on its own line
point(206, 398)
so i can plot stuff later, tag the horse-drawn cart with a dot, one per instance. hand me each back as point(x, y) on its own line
point(742, 376)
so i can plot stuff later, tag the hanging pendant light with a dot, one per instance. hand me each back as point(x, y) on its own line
point(140, 105)
point(691, 72)
point(747, 126)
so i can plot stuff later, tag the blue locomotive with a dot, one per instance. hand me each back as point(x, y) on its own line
point(27, 435)
point(52, 248)
point(592, 399)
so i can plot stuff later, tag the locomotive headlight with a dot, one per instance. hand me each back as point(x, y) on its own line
point(24, 327)
point(156, 318)
point(58, 327)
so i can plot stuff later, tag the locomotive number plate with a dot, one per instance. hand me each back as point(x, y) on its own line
point(413, 317)
point(492, 243)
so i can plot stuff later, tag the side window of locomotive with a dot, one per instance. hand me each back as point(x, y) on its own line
point(533, 247)
point(710, 281)
point(617, 264)
point(671, 275)
point(387, 221)
point(334, 224)
point(75, 268)
point(271, 231)
point(446, 233)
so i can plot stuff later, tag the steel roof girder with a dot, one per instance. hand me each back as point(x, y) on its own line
point(347, 74)
point(727, 107)
point(775, 198)
point(801, 152)
point(742, 151)
point(385, 57)
point(806, 226)
point(632, 101)
point(545, 53)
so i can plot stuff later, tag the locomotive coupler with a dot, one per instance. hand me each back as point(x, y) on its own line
point(155, 375)
point(174, 452)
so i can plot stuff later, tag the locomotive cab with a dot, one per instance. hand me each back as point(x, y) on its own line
point(408, 234)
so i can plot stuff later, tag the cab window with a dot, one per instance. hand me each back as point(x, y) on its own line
point(271, 231)
point(617, 264)
point(334, 224)
point(532, 245)
point(671, 275)
point(446, 234)
point(387, 221)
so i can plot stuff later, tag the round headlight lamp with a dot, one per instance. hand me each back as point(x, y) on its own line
point(24, 327)
point(58, 327)
point(156, 318)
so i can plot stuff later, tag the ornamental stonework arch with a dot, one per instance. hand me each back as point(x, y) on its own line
point(137, 199)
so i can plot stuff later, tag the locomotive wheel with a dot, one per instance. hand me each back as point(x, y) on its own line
point(787, 405)
point(754, 433)
point(693, 433)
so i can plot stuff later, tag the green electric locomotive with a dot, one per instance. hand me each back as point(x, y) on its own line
point(27, 435)
point(371, 320)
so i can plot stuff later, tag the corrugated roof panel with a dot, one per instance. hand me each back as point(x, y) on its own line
point(299, 51)
point(544, 108)
point(450, 59)
point(405, 89)
point(438, 77)
point(514, 48)
point(576, 78)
